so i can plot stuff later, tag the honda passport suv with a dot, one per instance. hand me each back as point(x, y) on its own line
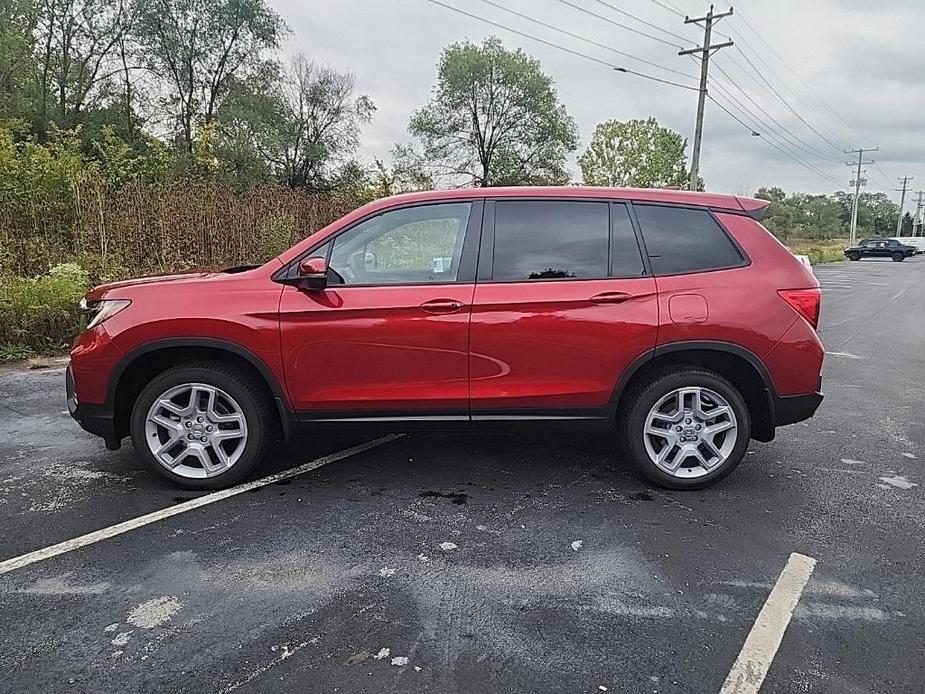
point(672, 318)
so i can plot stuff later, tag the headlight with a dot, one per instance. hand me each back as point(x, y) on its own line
point(92, 313)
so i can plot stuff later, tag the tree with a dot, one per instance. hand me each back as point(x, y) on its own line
point(305, 128)
point(198, 48)
point(76, 42)
point(18, 68)
point(638, 153)
point(494, 119)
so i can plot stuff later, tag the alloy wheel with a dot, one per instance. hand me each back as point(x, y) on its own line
point(690, 432)
point(196, 430)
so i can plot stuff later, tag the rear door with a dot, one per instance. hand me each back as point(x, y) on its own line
point(563, 304)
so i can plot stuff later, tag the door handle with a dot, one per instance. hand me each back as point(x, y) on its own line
point(611, 298)
point(442, 306)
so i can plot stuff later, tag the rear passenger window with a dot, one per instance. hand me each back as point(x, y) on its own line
point(681, 240)
point(546, 239)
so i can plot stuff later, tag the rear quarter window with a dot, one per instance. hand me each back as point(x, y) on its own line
point(681, 240)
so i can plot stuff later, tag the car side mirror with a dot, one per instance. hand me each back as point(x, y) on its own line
point(313, 273)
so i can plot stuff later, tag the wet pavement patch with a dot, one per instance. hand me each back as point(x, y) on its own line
point(456, 497)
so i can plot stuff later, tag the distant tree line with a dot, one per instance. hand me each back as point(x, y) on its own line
point(807, 216)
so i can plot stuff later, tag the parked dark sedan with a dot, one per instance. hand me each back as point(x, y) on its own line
point(880, 248)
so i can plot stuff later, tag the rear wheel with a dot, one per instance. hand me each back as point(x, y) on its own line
point(686, 428)
point(202, 425)
point(898, 257)
point(854, 256)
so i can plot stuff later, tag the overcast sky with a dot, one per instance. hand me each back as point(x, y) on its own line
point(862, 58)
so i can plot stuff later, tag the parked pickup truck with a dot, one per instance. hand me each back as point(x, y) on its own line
point(880, 248)
point(917, 242)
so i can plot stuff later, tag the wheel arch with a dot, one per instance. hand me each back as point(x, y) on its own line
point(740, 366)
point(142, 364)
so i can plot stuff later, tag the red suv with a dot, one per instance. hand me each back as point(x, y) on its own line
point(674, 317)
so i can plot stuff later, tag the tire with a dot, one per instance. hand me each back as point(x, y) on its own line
point(646, 395)
point(899, 257)
point(854, 256)
point(241, 414)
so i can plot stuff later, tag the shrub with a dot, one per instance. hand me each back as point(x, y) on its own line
point(38, 314)
point(819, 251)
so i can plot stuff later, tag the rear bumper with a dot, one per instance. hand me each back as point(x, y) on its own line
point(795, 408)
point(97, 419)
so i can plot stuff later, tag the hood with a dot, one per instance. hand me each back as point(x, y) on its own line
point(98, 292)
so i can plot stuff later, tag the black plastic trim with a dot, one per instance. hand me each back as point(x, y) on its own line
point(795, 408)
point(691, 345)
point(96, 419)
point(458, 419)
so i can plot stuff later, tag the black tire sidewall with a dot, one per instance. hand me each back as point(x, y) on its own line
point(854, 256)
point(224, 379)
point(645, 398)
point(898, 257)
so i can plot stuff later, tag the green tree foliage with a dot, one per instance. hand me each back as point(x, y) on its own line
point(198, 48)
point(304, 130)
point(495, 119)
point(76, 41)
point(638, 153)
point(18, 73)
point(804, 216)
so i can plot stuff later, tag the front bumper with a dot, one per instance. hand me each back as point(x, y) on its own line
point(795, 408)
point(97, 419)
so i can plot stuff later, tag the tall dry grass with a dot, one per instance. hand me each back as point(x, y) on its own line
point(143, 228)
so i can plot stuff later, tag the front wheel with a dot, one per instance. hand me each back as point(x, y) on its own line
point(899, 257)
point(202, 425)
point(686, 428)
point(854, 256)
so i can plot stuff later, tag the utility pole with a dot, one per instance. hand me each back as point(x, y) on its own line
point(705, 51)
point(902, 203)
point(917, 222)
point(857, 183)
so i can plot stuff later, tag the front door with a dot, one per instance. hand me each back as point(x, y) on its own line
point(389, 334)
point(562, 306)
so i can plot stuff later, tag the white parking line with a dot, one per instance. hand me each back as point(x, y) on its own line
point(751, 667)
point(96, 536)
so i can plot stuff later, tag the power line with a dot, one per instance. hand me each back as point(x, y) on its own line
point(784, 101)
point(795, 73)
point(779, 148)
point(882, 174)
point(667, 6)
point(641, 21)
point(784, 136)
point(743, 44)
point(560, 47)
point(734, 117)
point(797, 141)
point(622, 26)
point(586, 40)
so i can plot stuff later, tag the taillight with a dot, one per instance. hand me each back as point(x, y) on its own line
point(805, 302)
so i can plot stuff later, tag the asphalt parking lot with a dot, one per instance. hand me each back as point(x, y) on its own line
point(502, 563)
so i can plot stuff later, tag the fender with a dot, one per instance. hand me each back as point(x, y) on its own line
point(286, 416)
point(687, 345)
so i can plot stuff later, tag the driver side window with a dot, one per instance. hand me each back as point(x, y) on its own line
point(412, 245)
